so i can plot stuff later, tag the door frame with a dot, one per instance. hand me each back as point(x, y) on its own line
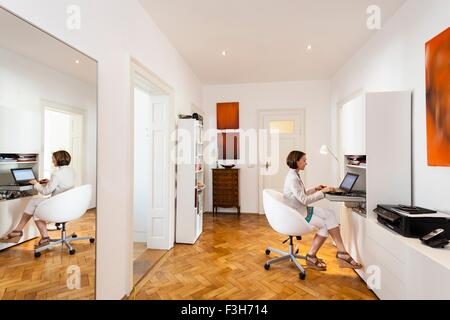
point(267, 112)
point(137, 68)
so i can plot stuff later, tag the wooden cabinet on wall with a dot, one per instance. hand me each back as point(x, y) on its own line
point(226, 189)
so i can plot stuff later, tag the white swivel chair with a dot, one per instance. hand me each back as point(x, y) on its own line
point(63, 208)
point(285, 220)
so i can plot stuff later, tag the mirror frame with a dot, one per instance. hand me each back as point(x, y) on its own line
point(96, 124)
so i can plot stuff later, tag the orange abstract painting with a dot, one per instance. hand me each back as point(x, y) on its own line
point(438, 99)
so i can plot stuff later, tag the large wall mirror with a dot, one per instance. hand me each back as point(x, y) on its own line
point(48, 165)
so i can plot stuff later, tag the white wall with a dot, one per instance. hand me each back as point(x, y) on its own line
point(111, 32)
point(312, 96)
point(394, 59)
point(24, 84)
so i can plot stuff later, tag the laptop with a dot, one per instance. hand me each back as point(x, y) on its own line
point(346, 186)
point(23, 176)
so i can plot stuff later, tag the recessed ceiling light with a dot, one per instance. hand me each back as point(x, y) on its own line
point(309, 47)
point(77, 61)
point(224, 53)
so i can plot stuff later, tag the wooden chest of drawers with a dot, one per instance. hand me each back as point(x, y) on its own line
point(226, 189)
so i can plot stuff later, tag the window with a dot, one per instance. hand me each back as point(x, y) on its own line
point(282, 126)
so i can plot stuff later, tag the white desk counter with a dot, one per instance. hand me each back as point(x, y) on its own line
point(10, 214)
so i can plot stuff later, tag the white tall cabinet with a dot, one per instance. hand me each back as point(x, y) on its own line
point(190, 181)
point(378, 126)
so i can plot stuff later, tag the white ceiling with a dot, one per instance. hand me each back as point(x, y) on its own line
point(22, 38)
point(266, 40)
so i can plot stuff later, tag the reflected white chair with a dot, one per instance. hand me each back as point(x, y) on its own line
point(285, 220)
point(65, 207)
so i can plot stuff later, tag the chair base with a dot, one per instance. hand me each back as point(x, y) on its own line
point(291, 255)
point(65, 241)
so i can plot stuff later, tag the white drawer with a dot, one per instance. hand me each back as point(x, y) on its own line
point(386, 260)
point(387, 239)
point(391, 287)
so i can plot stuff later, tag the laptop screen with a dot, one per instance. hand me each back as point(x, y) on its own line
point(23, 175)
point(349, 181)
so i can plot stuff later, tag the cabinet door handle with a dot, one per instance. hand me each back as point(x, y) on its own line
point(267, 165)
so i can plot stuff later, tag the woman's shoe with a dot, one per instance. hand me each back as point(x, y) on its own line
point(12, 237)
point(43, 242)
point(315, 263)
point(348, 261)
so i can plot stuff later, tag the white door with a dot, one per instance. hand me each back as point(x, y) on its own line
point(142, 172)
point(285, 134)
point(151, 175)
point(158, 236)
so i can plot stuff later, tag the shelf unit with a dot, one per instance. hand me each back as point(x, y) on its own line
point(190, 181)
point(17, 162)
point(5, 166)
point(356, 167)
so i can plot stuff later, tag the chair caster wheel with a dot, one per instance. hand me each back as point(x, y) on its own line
point(37, 254)
point(72, 252)
point(267, 266)
point(74, 235)
point(302, 276)
point(91, 240)
point(267, 252)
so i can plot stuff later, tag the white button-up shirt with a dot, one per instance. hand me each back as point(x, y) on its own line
point(62, 180)
point(297, 195)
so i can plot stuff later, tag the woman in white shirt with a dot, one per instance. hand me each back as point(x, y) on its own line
point(325, 220)
point(61, 180)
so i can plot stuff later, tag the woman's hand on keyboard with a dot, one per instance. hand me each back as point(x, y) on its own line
point(328, 189)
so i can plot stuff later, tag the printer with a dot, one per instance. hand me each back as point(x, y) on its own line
point(412, 222)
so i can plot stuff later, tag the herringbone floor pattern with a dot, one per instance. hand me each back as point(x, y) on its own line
point(227, 263)
point(23, 277)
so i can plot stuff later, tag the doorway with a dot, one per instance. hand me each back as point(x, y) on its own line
point(289, 130)
point(153, 182)
point(63, 130)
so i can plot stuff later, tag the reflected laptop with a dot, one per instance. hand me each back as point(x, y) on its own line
point(346, 186)
point(23, 176)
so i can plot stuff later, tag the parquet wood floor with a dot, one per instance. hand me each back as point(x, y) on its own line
point(143, 260)
point(227, 263)
point(23, 277)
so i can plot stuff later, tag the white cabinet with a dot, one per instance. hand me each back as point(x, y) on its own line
point(352, 124)
point(20, 130)
point(378, 126)
point(388, 145)
point(407, 268)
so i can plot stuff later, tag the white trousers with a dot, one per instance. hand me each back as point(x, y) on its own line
point(324, 220)
point(32, 205)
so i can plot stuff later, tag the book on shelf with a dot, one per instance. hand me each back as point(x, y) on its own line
point(5, 157)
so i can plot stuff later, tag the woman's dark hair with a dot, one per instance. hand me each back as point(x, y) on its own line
point(62, 158)
point(293, 157)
